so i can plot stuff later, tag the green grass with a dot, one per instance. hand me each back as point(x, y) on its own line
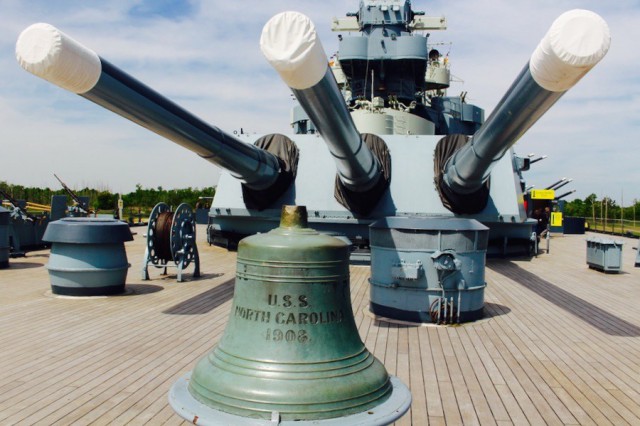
point(615, 227)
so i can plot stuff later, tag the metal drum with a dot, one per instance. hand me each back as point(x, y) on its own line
point(291, 353)
point(4, 237)
point(428, 269)
point(87, 256)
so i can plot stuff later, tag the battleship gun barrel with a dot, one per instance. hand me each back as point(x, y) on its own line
point(290, 43)
point(559, 184)
point(564, 195)
point(52, 55)
point(576, 42)
point(566, 182)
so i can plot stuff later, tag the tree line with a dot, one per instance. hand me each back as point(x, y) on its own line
point(100, 200)
point(146, 198)
point(591, 206)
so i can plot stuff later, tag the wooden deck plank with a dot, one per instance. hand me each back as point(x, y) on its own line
point(539, 391)
point(557, 359)
point(573, 358)
point(495, 404)
point(429, 376)
point(403, 368)
point(561, 344)
point(117, 393)
point(416, 381)
point(470, 379)
point(117, 376)
point(447, 396)
point(458, 385)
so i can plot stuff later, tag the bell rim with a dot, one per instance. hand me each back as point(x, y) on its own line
point(190, 409)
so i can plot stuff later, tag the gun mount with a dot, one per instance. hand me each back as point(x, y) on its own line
point(388, 87)
point(290, 43)
point(18, 209)
point(81, 204)
point(555, 66)
point(25, 229)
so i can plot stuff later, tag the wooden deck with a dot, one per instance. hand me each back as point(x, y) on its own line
point(560, 345)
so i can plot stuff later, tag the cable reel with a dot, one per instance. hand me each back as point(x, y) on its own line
point(171, 238)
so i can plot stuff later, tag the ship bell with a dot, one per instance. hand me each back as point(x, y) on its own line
point(290, 351)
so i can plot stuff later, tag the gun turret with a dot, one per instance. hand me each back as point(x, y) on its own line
point(52, 55)
point(576, 41)
point(389, 82)
point(291, 45)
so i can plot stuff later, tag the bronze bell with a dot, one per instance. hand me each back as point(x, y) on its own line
point(291, 350)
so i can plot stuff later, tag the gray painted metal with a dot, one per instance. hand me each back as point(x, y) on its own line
point(87, 231)
point(25, 233)
point(521, 106)
point(202, 216)
point(4, 237)
point(58, 207)
point(378, 46)
point(604, 255)
point(419, 265)
point(357, 168)
point(428, 224)
point(87, 256)
point(126, 96)
point(411, 193)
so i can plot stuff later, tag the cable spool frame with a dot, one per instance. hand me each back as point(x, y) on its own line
point(171, 238)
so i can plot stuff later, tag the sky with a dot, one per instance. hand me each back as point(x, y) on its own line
point(205, 56)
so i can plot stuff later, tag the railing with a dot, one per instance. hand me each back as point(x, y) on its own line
point(613, 226)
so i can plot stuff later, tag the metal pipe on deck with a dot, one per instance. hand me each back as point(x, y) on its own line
point(47, 52)
point(291, 45)
point(576, 41)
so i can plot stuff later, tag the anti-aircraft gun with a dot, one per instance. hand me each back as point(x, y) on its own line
point(17, 212)
point(80, 207)
point(25, 229)
point(386, 108)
